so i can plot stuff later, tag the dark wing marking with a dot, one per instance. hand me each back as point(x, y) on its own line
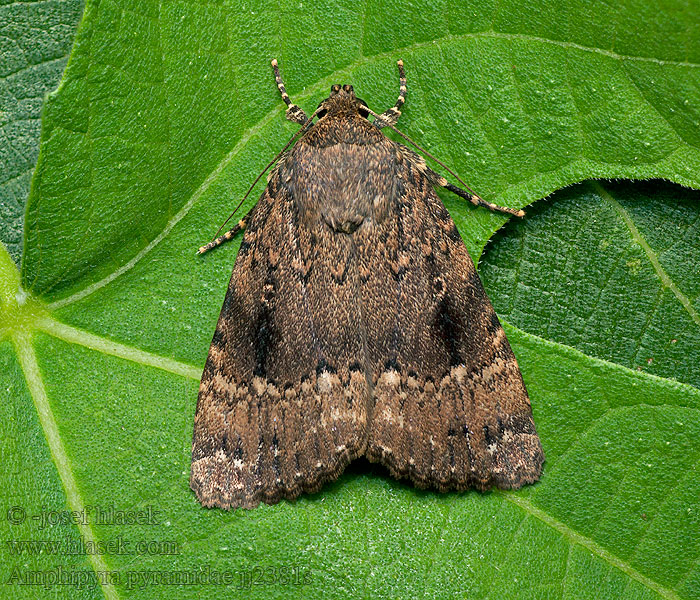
point(451, 410)
point(283, 402)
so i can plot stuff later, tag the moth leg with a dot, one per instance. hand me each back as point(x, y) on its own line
point(294, 113)
point(240, 226)
point(439, 180)
point(391, 116)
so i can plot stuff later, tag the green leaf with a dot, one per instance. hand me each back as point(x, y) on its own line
point(35, 39)
point(168, 111)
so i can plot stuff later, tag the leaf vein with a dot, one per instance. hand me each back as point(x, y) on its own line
point(32, 374)
point(593, 547)
point(70, 334)
point(651, 255)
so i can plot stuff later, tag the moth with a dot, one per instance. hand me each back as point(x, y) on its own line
point(355, 324)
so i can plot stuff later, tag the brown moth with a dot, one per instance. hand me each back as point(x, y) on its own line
point(355, 324)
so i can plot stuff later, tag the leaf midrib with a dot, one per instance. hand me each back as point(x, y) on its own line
point(313, 89)
point(32, 375)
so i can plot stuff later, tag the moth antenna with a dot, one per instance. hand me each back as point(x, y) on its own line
point(240, 226)
point(217, 241)
point(471, 195)
point(294, 113)
point(391, 115)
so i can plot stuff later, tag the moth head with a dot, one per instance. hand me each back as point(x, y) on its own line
point(342, 99)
